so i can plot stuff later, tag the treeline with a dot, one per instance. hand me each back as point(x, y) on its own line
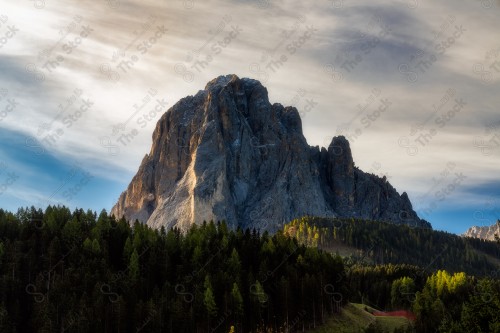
point(458, 303)
point(76, 271)
point(63, 271)
point(441, 301)
point(385, 287)
point(383, 243)
point(395, 267)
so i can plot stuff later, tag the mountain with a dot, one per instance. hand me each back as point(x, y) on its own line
point(228, 154)
point(487, 232)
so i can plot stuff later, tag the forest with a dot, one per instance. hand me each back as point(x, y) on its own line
point(63, 271)
point(382, 243)
point(450, 283)
point(79, 271)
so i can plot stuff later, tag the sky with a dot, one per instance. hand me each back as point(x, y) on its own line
point(414, 85)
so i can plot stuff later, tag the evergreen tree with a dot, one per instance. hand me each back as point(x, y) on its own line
point(96, 248)
point(402, 292)
point(237, 300)
point(134, 267)
point(209, 299)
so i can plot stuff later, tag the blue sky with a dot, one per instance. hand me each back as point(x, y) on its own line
point(73, 71)
point(40, 179)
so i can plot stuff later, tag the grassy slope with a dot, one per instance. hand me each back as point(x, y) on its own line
point(354, 319)
point(389, 324)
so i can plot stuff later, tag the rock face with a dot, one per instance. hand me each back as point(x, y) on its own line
point(228, 154)
point(487, 232)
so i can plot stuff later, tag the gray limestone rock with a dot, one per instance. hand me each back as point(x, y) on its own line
point(486, 232)
point(228, 154)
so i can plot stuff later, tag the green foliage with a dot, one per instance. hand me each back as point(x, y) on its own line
point(234, 263)
point(133, 267)
point(375, 284)
point(481, 312)
point(457, 303)
point(397, 267)
point(402, 292)
point(87, 245)
point(128, 248)
point(63, 271)
point(237, 300)
point(96, 248)
point(259, 293)
point(355, 319)
point(209, 299)
point(383, 243)
point(375, 327)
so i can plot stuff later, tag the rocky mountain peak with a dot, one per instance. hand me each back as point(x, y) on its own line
point(228, 154)
point(484, 232)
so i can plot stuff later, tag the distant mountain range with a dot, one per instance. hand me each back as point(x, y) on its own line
point(486, 232)
point(228, 154)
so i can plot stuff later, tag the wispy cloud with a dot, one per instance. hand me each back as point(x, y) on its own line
point(82, 71)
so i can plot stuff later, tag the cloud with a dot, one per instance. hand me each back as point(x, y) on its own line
point(174, 47)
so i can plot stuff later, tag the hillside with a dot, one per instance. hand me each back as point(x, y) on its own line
point(383, 243)
point(354, 319)
point(83, 272)
point(63, 271)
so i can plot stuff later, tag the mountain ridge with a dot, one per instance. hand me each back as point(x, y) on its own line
point(484, 232)
point(227, 153)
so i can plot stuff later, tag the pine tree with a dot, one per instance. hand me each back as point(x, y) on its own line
point(96, 248)
point(237, 300)
point(127, 249)
point(234, 263)
point(133, 267)
point(259, 293)
point(209, 299)
point(87, 244)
